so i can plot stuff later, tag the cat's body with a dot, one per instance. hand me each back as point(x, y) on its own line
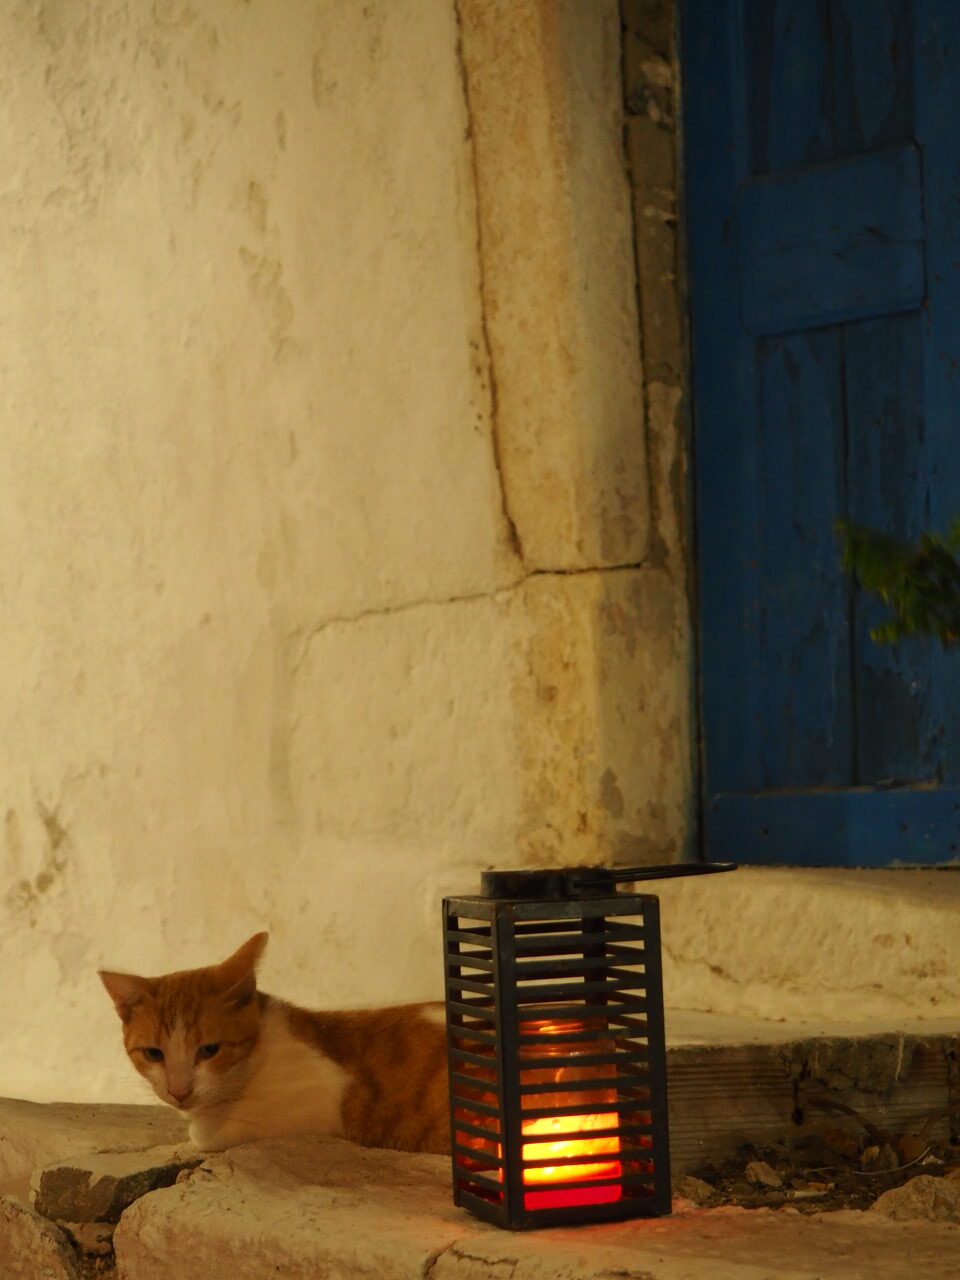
point(243, 1065)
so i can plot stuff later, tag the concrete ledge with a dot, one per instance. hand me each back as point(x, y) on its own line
point(34, 1134)
point(305, 1208)
point(875, 948)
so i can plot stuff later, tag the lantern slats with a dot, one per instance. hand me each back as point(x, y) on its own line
point(560, 967)
point(480, 1179)
point(476, 1106)
point(555, 1032)
point(624, 1059)
point(585, 1085)
point(475, 984)
point(575, 1109)
point(538, 1004)
point(475, 1059)
point(529, 993)
point(477, 1130)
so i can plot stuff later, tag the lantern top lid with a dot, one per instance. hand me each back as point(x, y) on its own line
point(559, 883)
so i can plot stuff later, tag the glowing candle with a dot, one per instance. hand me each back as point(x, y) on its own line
point(564, 1137)
point(565, 1148)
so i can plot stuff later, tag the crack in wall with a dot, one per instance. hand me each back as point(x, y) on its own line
point(298, 638)
point(430, 1263)
point(495, 1268)
point(513, 535)
point(657, 553)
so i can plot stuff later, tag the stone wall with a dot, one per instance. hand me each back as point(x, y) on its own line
point(341, 549)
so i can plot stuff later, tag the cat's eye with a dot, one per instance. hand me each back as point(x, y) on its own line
point(152, 1053)
point(208, 1050)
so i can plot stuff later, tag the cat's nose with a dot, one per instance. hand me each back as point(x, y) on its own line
point(180, 1095)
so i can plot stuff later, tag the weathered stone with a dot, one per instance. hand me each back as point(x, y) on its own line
point(923, 1197)
point(312, 1207)
point(92, 1238)
point(34, 1134)
point(30, 1247)
point(299, 1208)
point(99, 1187)
point(879, 1159)
point(762, 1174)
point(698, 1192)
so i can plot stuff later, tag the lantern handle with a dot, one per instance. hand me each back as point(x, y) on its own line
point(553, 884)
point(623, 875)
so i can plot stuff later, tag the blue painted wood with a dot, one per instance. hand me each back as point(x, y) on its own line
point(872, 74)
point(804, 667)
point(840, 402)
point(838, 242)
point(787, 70)
point(897, 694)
point(728, 465)
point(936, 55)
point(866, 828)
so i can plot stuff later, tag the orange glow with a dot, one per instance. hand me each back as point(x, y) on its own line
point(565, 1147)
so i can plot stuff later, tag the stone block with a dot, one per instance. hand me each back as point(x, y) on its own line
point(923, 1198)
point(35, 1134)
point(546, 117)
point(98, 1187)
point(95, 1239)
point(310, 1207)
point(299, 1208)
point(32, 1248)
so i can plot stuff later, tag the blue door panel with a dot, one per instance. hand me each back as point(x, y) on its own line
point(835, 827)
point(823, 220)
point(838, 242)
point(803, 663)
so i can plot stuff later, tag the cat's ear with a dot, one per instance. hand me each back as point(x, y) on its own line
point(125, 990)
point(238, 973)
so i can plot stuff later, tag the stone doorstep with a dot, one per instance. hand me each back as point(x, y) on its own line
point(308, 1207)
point(34, 1134)
point(314, 1206)
point(97, 1188)
point(722, 1096)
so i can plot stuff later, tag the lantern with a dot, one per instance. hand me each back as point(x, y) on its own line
point(556, 1055)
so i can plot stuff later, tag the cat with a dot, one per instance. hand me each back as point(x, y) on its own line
point(241, 1065)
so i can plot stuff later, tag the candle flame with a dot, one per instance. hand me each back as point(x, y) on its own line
point(563, 1148)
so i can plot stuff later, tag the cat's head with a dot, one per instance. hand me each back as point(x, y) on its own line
point(190, 1033)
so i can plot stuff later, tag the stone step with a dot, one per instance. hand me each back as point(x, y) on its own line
point(313, 1206)
point(724, 1095)
point(872, 950)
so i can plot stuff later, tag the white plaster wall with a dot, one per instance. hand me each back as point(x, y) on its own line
point(273, 656)
point(239, 399)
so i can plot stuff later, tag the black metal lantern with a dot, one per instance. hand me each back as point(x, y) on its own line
point(556, 1055)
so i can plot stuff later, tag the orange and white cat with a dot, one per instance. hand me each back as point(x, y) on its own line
point(243, 1065)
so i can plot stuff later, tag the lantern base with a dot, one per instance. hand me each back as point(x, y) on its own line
point(567, 1199)
point(560, 1214)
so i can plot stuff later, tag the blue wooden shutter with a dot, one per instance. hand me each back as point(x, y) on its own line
point(822, 146)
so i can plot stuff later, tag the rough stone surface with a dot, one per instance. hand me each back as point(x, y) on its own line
point(860, 947)
point(391, 324)
point(292, 1208)
point(33, 1135)
point(32, 1248)
point(688, 1187)
point(95, 1239)
point(543, 90)
point(762, 1174)
point(99, 1187)
point(923, 1197)
point(306, 1208)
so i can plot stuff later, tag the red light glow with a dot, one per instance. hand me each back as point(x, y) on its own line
point(551, 1196)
